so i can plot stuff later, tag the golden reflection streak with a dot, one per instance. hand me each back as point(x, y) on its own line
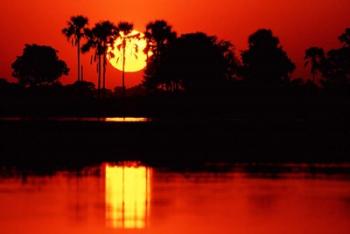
point(127, 119)
point(127, 196)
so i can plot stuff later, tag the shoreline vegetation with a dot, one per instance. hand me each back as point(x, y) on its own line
point(205, 103)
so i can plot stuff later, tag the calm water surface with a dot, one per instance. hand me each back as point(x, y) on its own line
point(137, 199)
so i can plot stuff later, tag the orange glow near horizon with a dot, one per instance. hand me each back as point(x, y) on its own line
point(127, 196)
point(135, 57)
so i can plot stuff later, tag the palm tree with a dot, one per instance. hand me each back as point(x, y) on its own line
point(125, 30)
point(75, 31)
point(314, 57)
point(100, 38)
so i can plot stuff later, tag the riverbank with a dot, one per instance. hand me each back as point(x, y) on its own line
point(173, 141)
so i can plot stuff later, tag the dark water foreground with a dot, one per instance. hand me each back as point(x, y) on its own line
point(195, 176)
point(171, 142)
point(131, 198)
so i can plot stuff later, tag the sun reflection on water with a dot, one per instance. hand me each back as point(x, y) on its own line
point(127, 119)
point(127, 196)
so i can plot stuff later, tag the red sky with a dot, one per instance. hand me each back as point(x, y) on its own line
point(298, 23)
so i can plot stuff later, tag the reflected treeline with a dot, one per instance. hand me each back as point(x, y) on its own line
point(192, 73)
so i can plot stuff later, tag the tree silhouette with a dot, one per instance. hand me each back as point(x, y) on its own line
point(315, 57)
point(203, 60)
point(345, 38)
point(336, 68)
point(100, 38)
point(196, 63)
point(38, 65)
point(265, 61)
point(75, 31)
point(159, 36)
point(125, 29)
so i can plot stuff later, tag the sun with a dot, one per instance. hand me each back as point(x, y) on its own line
point(135, 56)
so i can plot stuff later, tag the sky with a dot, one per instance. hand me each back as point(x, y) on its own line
point(298, 23)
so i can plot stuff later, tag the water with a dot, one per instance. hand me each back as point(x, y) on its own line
point(128, 119)
point(137, 199)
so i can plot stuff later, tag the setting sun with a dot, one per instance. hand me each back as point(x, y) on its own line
point(135, 57)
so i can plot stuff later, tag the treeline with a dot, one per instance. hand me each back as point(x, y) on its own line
point(192, 72)
point(197, 62)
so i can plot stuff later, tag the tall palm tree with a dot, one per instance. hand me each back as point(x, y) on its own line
point(125, 30)
point(100, 38)
point(75, 31)
point(314, 57)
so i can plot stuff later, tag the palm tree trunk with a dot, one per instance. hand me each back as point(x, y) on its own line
point(78, 55)
point(99, 77)
point(104, 73)
point(123, 73)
